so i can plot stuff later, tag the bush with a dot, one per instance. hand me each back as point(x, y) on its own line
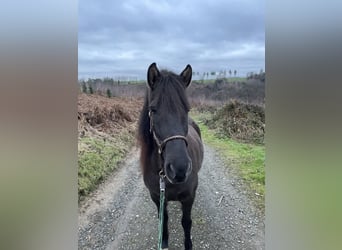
point(240, 121)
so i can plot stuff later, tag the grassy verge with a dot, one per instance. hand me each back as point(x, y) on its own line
point(98, 157)
point(247, 159)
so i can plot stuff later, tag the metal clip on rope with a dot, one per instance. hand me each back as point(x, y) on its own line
point(162, 184)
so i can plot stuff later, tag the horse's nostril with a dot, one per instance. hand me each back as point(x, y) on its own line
point(178, 173)
point(189, 167)
point(171, 170)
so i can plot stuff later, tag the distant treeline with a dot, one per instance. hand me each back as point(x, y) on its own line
point(261, 76)
point(251, 90)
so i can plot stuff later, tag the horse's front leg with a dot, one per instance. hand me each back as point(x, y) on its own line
point(187, 222)
point(165, 241)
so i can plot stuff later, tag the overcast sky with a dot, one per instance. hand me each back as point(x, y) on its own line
point(122, 38)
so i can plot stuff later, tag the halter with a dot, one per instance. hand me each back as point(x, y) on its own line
point(161, 144)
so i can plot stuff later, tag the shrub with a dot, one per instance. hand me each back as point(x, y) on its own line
point(240, 121)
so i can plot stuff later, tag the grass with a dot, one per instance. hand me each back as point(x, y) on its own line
point(97, 158)
point(247, 159)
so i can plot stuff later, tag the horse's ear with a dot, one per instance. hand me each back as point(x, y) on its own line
point(186, 75)
point(152, 75)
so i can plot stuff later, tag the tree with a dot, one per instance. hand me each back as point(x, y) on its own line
point(108, 80)
point(235, 72)
point(84, 87)
point(109, 93)
point(91, 91)
point(230, 72)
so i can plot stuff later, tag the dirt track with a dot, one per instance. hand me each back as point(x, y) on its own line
point(120, 215)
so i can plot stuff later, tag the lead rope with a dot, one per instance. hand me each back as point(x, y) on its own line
point(161, 208)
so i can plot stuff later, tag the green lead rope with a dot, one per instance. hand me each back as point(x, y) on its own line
point(161, 211)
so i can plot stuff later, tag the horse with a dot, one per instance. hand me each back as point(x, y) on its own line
point(171, 144)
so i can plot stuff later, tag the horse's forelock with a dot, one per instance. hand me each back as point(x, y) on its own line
point(170, 93)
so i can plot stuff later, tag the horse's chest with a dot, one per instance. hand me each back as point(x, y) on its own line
point(172, 192)
point(176, 194)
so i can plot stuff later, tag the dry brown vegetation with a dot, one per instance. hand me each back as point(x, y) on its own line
point(243, 119)
point(221, 91)
point(98, 114)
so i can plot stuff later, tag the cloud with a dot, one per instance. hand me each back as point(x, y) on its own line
point(124, 37)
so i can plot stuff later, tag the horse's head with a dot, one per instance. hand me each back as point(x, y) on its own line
point(169, 107)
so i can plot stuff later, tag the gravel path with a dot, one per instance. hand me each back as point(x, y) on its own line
point(120, 215)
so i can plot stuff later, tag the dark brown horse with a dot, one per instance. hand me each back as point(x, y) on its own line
point(171, 143)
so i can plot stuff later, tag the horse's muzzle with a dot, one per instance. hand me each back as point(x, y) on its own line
point(178, 174)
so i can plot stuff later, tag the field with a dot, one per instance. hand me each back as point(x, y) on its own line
point(230, 114)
